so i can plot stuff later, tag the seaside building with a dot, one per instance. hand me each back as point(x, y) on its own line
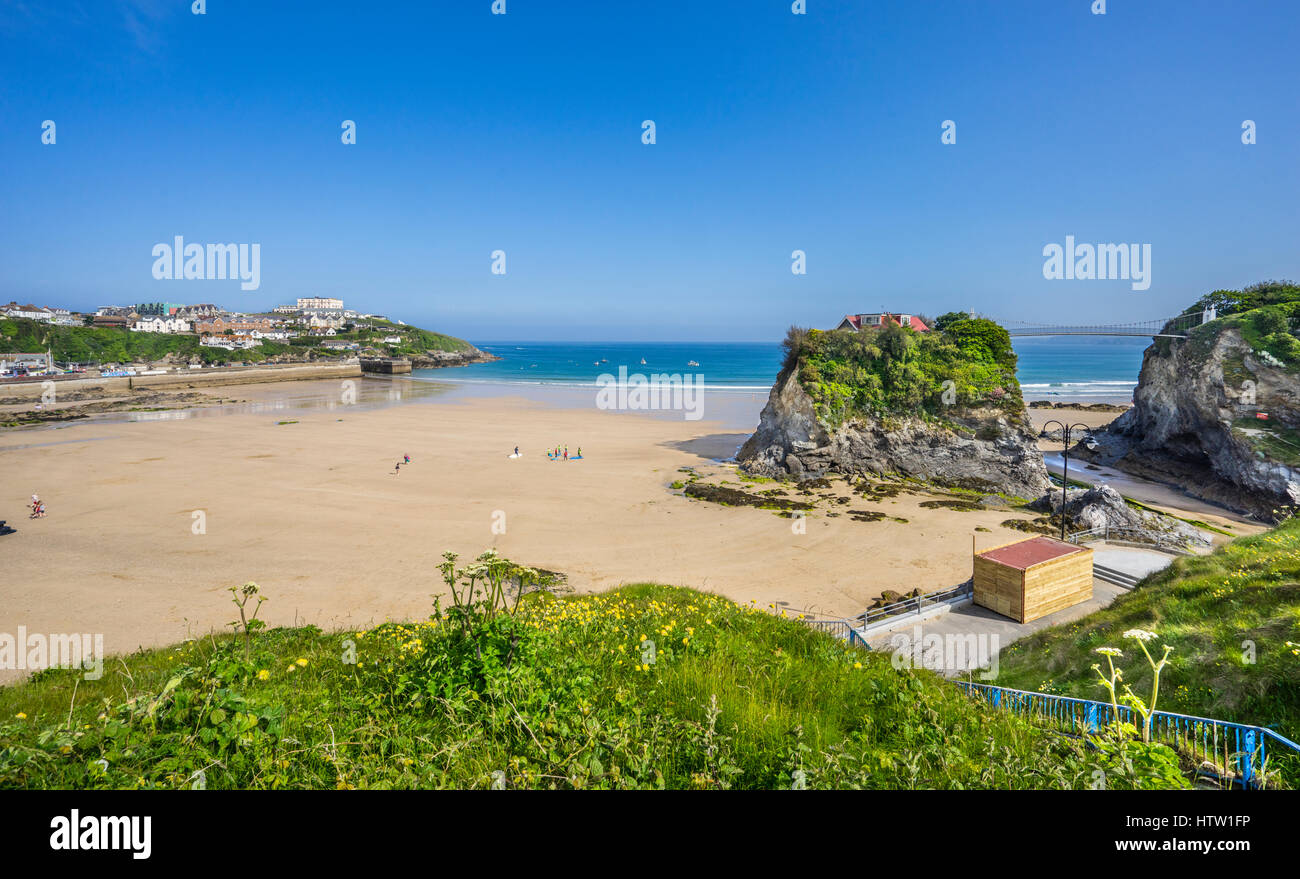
point(319, 321)
point(1032, 578)
point(30, 312)
point(878, 319)
point(230, 343)
point(29, 363)
point(161, 325)
point(112, 321)
point(204, 310)
point(316, 302)
point(219, 325)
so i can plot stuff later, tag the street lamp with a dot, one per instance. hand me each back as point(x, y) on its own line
point(1065, 457)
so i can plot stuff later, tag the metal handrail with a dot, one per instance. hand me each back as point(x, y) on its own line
point(916, 603)
point(1244, 742)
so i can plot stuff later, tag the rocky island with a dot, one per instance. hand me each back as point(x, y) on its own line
point(943, 406)
point(1217, 414)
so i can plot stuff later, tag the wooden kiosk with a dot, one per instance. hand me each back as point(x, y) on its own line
point(1031, 578)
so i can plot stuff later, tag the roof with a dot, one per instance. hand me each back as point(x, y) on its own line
point(855, 320)
point(1030, 552)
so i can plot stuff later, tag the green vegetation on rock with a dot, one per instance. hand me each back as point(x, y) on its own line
point(1266, 314)
point(896, 371)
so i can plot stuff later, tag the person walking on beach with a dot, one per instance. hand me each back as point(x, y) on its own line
point(398, 468)
point(566, 453)
point(516, 451)
point(407, 458)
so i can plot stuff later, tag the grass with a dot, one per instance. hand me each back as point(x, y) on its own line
point(566, 693)
point(1229, 617)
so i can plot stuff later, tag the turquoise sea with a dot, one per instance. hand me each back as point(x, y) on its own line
point(1062, 367)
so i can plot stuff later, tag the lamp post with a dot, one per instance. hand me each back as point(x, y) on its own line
point(1065, 457)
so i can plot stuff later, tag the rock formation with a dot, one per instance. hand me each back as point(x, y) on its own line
point(1213, 417)
point(1103, 507)
point(985, 449)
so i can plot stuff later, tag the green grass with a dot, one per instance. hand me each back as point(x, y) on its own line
point(1229, 617)
point(563, 695)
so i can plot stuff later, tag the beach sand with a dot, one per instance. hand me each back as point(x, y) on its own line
point(313, 512)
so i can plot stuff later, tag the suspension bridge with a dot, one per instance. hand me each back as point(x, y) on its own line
point(1167, 328)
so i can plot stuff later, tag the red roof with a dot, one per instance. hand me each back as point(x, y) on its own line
point(1030, 552)
point(855, 320)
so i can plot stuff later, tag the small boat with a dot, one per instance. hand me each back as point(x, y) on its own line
point(692, 363)
point(643, 361)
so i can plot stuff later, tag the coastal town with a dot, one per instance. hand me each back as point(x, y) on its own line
point(313, 320)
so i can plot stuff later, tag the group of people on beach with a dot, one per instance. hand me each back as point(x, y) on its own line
point(406, 459)
point(559, 453)
point(38, 508)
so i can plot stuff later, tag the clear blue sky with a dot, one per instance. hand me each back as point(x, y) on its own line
point(522, 132)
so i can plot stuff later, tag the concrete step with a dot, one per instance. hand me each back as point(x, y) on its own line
point(1113, 575)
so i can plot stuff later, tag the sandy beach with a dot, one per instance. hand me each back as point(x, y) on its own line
point(314, 512)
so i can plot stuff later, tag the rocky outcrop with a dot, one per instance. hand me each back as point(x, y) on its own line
point(982, 449)
point(1196, 424)
point(1103, 507)
point(434, 359)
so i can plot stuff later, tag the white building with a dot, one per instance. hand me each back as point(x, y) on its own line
point(318, 302)
point(321, 320)
point(230, 343)
point(161, 325)
point(31, 312)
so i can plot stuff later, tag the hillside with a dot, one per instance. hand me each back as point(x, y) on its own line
point(1218, 414)
point(943, 406)
point(92, 345)
point(1233, 619)
point(565, 693)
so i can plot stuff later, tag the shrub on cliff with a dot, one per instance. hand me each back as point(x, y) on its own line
point(896, 371)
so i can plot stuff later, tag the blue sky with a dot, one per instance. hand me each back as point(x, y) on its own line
point(775, 132)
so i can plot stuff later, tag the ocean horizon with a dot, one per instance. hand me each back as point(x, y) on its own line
point(1102, 368)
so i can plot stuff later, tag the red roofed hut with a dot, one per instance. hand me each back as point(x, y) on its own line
point(1031, 578)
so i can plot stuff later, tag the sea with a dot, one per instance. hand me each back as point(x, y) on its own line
point(1083, 368)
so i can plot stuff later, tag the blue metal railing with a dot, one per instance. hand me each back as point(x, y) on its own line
point(1235, 751)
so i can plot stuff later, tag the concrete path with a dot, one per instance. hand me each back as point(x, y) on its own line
point(1130, 560)
point(970, 636)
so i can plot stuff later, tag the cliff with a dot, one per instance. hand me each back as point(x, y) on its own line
point(1216, 416)
point(878, 402)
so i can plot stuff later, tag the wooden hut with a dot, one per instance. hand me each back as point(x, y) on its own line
point(1031, 578)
